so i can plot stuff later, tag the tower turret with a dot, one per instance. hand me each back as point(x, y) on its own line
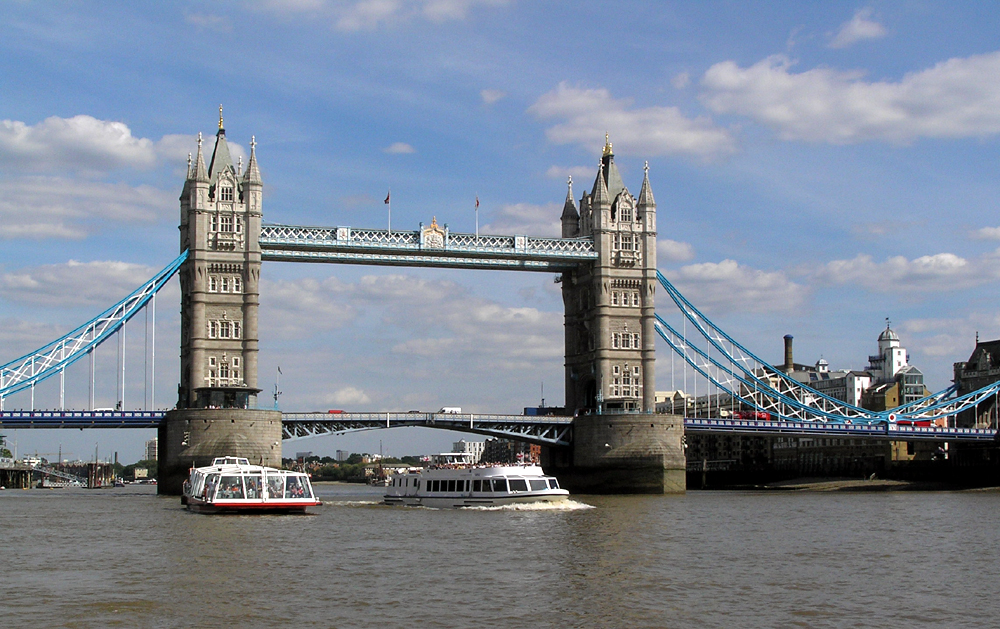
point(570, 218)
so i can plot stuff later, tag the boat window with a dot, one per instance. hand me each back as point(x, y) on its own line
point(307, 490)
point(451, 485)
point(477, 485)
point(293, 487)
point(538, 484)
point(230, 487)
point(518, 484)
point(500, 485)
point(275, 485)
point(253, 484)
point(553, 483)
point(211, 482)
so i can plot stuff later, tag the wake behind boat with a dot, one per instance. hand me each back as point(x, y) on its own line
point(232, 485)
point(473, 486)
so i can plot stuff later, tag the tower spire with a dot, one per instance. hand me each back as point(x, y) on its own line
point(646, 193)
point(200, 172)
point(221, 128)
point(253, 172)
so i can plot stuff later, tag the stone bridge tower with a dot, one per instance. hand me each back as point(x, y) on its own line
point(620, 443)
point(216, 412)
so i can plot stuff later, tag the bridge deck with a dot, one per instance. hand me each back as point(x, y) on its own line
point(346, 245)
point(545, 429)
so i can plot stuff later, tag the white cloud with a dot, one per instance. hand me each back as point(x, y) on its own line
point(987, 233)
point(347, 396)
point(589, 113)
point(727, 286)
point(297, 308)
point(580, 172)
point(680, 81)
point(51, 207)
point(367, 15)
point(99, 283)
point(956, 98)
point(491, 96)
point(673, 251)
point(399, 148)
point(79, 143)
point(932, 273)
point(859, 28)
point(527, 219)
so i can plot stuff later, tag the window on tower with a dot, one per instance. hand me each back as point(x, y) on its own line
point(226, 193)
point(213, 284)
point(226, 224)
point(237, 285)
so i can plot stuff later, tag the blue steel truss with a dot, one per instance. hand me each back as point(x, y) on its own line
point(543, 430)
point(381, 247)
point(739, 376)
point(53, 358)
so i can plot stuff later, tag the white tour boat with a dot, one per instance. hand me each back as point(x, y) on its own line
point(473, 486)
point(231, 485)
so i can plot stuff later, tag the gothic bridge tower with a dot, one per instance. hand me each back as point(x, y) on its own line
point(216, 414)
point(620, 443)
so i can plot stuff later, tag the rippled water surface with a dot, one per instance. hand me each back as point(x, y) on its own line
point(128, 558)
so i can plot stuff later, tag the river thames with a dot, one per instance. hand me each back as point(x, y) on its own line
point(128, 558)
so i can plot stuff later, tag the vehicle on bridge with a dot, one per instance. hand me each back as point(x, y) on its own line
point(231, 485)
point(473, 486)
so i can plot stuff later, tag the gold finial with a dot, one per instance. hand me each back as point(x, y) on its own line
point(220, 117)
point(607, 145)
point(434, 222)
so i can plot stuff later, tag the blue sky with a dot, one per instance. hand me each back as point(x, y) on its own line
point(818, 167)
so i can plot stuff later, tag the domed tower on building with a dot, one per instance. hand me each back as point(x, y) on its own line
point(620, 443)
point(216, 414)
point(610, 352)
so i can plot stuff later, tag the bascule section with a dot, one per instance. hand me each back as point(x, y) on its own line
point(220, 224)
point(620, 443)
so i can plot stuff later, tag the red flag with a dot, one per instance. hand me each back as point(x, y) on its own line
point(477, 201)
point(387, 197)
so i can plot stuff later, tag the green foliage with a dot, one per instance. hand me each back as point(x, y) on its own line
point(343, 472)
point(354, 459)
point(4, 452)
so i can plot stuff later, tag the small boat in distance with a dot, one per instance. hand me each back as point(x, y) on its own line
point(473, 486)
point(231, 485)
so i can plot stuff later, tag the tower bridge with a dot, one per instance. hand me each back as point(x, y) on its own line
point(608, 439)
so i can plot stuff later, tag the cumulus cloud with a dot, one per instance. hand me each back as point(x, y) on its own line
point(491, 96)
point(987, 233)
point(932, 273)
point(79, 143)
point(859, 28)
point(956, 98)
point(347, 396)
point(99, 283)
point(527, 219)
point(673, 251)
point(88, 145)
point(297, 308)
point(728, 286)
point(399, 148)
point(589, 113)
point(52, 207)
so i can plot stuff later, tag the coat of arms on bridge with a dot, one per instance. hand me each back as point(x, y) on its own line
point(433, 236)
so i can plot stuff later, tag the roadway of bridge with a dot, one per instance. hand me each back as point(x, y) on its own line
point(544, 429)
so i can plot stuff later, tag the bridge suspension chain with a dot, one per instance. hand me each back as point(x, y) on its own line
point(749, 379)
point(54, 357)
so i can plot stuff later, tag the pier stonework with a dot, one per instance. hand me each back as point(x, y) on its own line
point(620, 444)
point(220, 222)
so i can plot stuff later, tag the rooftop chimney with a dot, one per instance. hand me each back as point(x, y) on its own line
point(789, 365)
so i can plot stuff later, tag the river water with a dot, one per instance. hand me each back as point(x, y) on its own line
point(128, 558)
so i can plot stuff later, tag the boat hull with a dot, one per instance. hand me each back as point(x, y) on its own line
point(199, 506)
point(457, 502)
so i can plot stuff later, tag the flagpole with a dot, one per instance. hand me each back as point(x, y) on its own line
point(388, 202)
point(477, 217)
